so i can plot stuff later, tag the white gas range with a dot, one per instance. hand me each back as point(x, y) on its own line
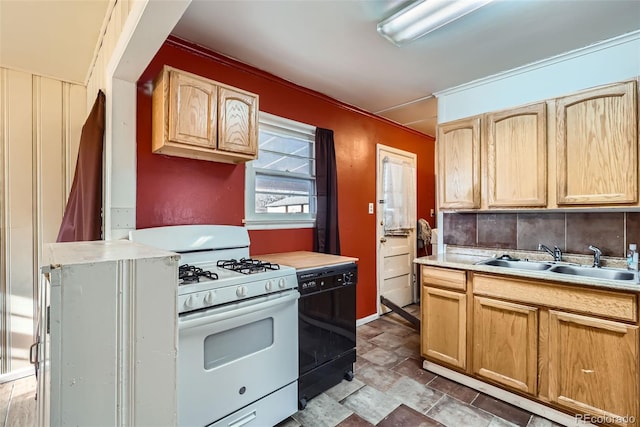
point(238, 328)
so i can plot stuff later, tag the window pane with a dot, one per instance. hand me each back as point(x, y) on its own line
point(280, 162)
point(283, 144)
point(282, 195)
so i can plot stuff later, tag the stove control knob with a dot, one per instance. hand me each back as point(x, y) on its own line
point(190, 302)
point(268, 286)
point(281, 283)
point(241, 291)
point(209, 297)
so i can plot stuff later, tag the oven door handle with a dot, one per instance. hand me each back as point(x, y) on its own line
point(227, 312)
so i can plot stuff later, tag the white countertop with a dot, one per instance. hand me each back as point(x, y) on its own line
point(468, 262)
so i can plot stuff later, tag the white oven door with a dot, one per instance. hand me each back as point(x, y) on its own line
point(231, 356)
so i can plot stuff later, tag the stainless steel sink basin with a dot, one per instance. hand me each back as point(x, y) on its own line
point(597, 273)
point(523, 265)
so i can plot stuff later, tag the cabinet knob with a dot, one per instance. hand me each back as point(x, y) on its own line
point(383, 239)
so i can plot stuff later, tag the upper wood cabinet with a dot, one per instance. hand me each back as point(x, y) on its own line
point(593, 366)
point(597, 146)
point(516, 163)
point(199, 118)
point(459, 164)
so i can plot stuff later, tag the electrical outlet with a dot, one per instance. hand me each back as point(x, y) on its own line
point(371, 208)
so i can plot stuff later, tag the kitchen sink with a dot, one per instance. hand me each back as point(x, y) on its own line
point(597, 273)
point(521, 264)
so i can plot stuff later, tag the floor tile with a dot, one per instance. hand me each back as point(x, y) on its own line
point(367, 331)
point(403, 416)
point(413, 394)
point(500, 422)
point(388, 341)
point(363, 346)
point(289, 422)
point(537, 421)
point(371, 404)
point(322, 411)
point(393, 327)
point(377, 376)
point(355, 421)
point(5, 397)
point(382, 357)
point(454, 389)
point(344, 389)
point(501, 409)
point(454, 413)
point(360, 363)
point(412, 368)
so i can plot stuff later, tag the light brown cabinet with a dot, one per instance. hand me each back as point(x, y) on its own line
point(574, 348)
point(505, 343)
point(459, 164)
point(199, 118)
point(593, 366)
point(597, 146)
point(516, 157)
point(444, 316)
point(579, 150)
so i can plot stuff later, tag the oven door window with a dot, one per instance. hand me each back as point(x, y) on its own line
point(225, 347)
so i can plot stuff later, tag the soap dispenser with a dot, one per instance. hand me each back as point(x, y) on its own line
point(632, 257)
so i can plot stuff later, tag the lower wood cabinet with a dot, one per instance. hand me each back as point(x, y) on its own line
point(593, 366)
point(574, 348)
point(444, 326)
point(505, 343)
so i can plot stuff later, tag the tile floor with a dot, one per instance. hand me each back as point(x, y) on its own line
point(390, 389)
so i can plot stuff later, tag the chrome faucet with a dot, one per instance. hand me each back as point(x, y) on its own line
point(596, 256)
point(556, 253)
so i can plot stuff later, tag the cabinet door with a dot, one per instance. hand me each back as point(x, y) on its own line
point(597, 146)
point(459, 164)
point(593, 365)
point(505, 338)
point(237, 121)
point(444, 326)
point(517, 157)
point(192, 110)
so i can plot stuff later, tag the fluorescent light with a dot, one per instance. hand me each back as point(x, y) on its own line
point(425, 16)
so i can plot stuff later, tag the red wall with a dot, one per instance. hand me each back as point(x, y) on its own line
point(173, 190)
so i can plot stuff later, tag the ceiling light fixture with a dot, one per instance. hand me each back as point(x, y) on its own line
point(423, 17)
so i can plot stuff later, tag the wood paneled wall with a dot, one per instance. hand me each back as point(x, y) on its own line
point(97, 76)
point(40, 124)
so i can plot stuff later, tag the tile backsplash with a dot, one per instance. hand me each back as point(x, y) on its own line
point(572, 232)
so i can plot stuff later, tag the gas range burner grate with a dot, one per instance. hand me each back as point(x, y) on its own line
point(247, 265)
point(192, 274)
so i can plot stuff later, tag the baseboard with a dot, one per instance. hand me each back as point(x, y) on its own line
point(514, 399)
point(360, 322)
point(17, 374)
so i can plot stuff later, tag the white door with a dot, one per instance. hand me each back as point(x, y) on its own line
point(396, 196)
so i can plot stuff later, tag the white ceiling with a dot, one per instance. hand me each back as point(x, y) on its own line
point(331, 46)
point(54, 38)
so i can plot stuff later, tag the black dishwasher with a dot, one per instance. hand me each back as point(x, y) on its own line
point(326, 328)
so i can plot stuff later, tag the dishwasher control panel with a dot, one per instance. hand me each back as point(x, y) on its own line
point(328, 277)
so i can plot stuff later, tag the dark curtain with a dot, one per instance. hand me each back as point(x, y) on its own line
point(326, 236)
point(82, 218)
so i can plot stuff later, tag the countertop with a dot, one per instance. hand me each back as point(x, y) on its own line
point(302, 260)
point(467, 262)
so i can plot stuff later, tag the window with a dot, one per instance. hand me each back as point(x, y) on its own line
point(281, 182)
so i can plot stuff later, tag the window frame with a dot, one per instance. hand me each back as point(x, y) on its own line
point(267, 221)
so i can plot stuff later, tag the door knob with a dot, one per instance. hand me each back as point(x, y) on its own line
point(383, 239)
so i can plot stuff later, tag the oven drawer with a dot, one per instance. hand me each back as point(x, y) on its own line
point(232, 356)
point(268, 411)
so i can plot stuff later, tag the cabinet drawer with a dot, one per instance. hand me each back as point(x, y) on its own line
point(444, 277)
point(616, 305)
